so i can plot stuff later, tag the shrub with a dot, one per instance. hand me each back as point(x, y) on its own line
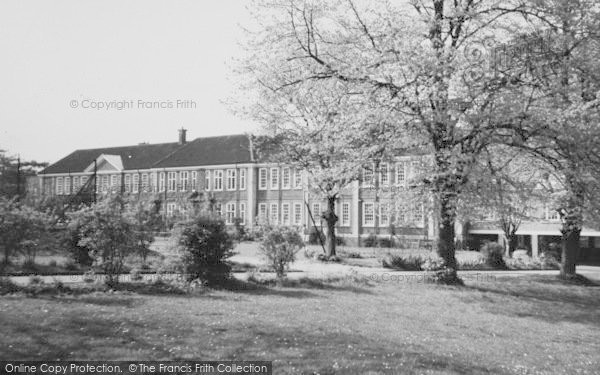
point(354, 255)
point(108, 231)
point(370, 241)
point(339, 241)
point(280, 245)
point(70, 265)
point(205, 246)
point(384, 242)
point(35, 280)
point(433, 264)
point(29, 266)
point(52, 263)
point(324, 258)
point(135, 274)
point(89, 276)
point(493, 255)
point(313, 236)
point(7, 286)
point(309, 252)
point(409, 263)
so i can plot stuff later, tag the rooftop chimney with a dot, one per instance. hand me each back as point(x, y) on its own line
point(182, 132)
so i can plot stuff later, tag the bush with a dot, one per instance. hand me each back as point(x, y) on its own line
point(206, 246)
point(7, 286)
point(313, 236)
point(384, 242)
point(370, 241)
point(409, 263)
point(135, 274)
point(280, 245)
point(339, 241)
point(493, 255)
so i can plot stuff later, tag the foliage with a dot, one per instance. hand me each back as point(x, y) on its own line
point(205, 246)
point(108, 231)
point(280, 245)
point(23, 230)
point(316, 236)
point(13, 174)
point(370, 241)
point(145, 219)
point(405, 263)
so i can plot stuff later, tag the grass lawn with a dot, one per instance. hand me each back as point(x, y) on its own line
point(511, 325)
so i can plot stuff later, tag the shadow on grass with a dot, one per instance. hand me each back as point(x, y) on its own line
point(544, 297)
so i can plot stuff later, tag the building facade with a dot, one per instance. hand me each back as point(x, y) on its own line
point(225, 171)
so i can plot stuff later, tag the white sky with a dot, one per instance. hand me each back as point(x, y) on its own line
point(55, 52)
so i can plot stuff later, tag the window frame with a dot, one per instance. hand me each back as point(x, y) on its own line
point(231, 179)
point(263, 181)
point(274, 178)
point(365, 223)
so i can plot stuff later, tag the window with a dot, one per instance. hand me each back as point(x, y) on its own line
point(417, 212)
point(243, 213)
point(297, 179)
point(415, 167)
point(384, 174)
point(262, 179)
point(367, 179)
point(400, 214)
point(194, 180)
point(127, 183)
point(83, 180)
point(384, 215)
point(297, 213)
point(218, 180)
point(286, 178)
point(401, 174)
point(242, 179)
point(345, 214)
point(183, 180)
point(274, 178)
point(551, 214)
point(59, 186)
point(274, 213)
point(105, 183)
point(368, 214)
point(161, 181)
point(218, 209)
point(67, 185)
point(262, 210)
point(136, 183)
point(207, 180)
point(145, 183)
point(171, 209)
point(231, 179)
point(171, 181)
point(316, 211)
point(229, 213)
point(75, 184)
point(285, 214)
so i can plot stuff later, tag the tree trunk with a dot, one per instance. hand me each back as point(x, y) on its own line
point(570, 248)
point(331, 219)
point(445, 246)
point(513, 241)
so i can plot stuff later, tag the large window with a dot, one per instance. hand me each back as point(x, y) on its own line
point(297, 213)
point(286, 178)
point(128, 183)
point(345, 214)
point(161, 181)
point(183, 180)
point(274, 178)
point(384, 174)
point(171, 181)
point(297, 179)
point(136, 183)
point(274, 213)
point(154, 181)
point(105, 182)
point(242, 179)
point(316, 211)
point(285, 214)
point(59, 186)
point(231, 179)
point(262, 179)
point(67, 185)
point(171, 207)
point(262, 210)
point(401, 174)
point(218, 209)
point(218, 180)
point(417, 213)
point(229, 213)
point(75, 184)
point(243, 213)
point(367, 176)
point(368, 214)
point(145, 183)
point(384, 215)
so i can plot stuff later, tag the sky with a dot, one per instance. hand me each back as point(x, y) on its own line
point(82, 74)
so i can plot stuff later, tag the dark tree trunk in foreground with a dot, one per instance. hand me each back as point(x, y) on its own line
point(513, 241)
point(570, 249)
point(445, 246)
point(331, 219)
point(572, 223)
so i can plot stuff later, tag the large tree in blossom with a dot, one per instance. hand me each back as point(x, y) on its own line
point(416, 64)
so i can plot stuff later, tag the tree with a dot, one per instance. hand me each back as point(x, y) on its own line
point(108, 231)
point(280, 245)
point(145, 219)
point(13, 173)
point(409, 64)
point(564, 126)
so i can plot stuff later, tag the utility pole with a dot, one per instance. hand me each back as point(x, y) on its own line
point(95, 180)
point(18, 177)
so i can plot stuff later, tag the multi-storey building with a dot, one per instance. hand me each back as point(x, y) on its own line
point(226, 171)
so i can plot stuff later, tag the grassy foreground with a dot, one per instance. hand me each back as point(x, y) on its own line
point(513, 326)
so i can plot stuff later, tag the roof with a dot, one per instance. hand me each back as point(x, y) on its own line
point(229, 149)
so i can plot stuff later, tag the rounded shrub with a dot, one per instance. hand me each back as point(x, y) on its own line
point(493, 254)
point(205, 246)
point(280, 245)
